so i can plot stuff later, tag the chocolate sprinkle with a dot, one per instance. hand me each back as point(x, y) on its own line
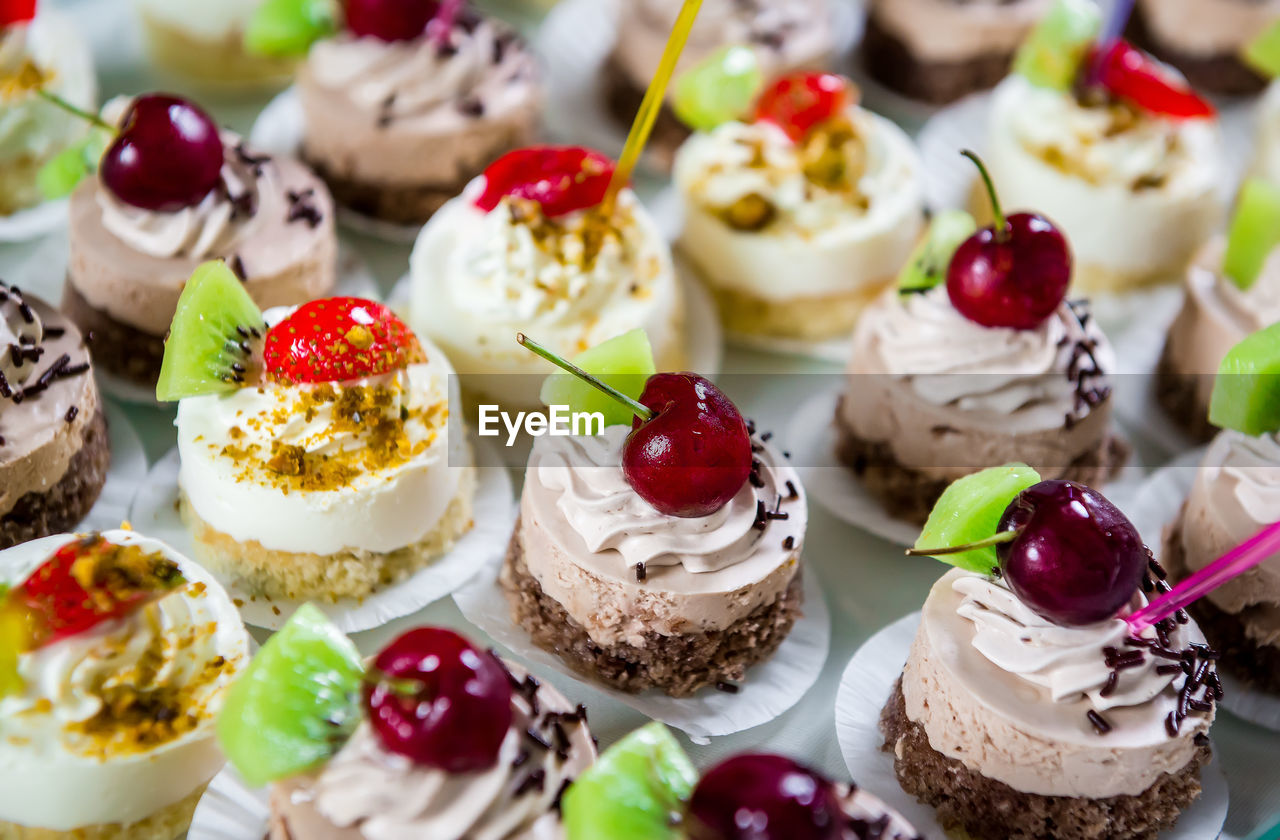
point(727, 687)
point(792, 492)
point(534, 781)
point(1109, 687)
point(237, 268)
point(301, 207)
point(789, 543)
point(641, 572)
point(1100, 724)
point(71, 414)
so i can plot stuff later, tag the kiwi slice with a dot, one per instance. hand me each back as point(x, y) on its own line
point(969, 510)
point(296, 703)
point(635, 791)
point(1051, 55)
point(624, 362)
point(212, 338)
point(288, 28)
point(1255, 231)
point(929, 262)
point(1246, 394)
point(1263, 52)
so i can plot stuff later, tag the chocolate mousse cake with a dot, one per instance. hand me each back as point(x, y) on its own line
point(1204, 38)
point(53, 434)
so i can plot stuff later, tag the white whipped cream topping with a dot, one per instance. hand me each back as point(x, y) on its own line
point(29, 126)
point(1246, 470)
point(376, 511)
point(41, 760)
point(17, 330)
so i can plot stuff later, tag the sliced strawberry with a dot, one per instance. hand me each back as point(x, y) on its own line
point(559, 178)
point(1130, 74)
point(801, 102)
point(337, 340)
point(16, 11)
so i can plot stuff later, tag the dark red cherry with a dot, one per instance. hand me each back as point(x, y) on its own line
point(390, 20)
point(694, 455)
point(1077, 559)
point(440, 701)
point(16, 11)
point(168, 155)
point(801, 102)
point(559, 178)
point(764, 797)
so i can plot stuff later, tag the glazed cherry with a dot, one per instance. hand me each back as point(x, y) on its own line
point(1014, 273)
point(559, 178)
point(439, 701)
point(1129, 73)
point(694, 455)
point(390, 20)
point(800, 102)
point(1076, 559)
point(337, 340)
point(16, 11)
point(764, 797)
point(168, 155)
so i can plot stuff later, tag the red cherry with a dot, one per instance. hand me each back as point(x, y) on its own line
point(337, 340)
point(440, 701)
point(1129, 73)
point(390, 20)
point(694, 455)
point(559, 178)
point(800, 102)
point(764, 797)
point(168, 155)
point(16, 11)
point(1077, 559)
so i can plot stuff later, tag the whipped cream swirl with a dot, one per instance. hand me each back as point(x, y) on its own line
point(1250, 466)
point(20, 335)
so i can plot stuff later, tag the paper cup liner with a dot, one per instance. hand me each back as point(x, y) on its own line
point(155, 512)
point(127, 472)
point(864, 689)
point(770, 688)
point(230, 810)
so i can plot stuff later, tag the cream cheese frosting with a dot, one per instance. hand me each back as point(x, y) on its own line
point(1135, 194)
point(1208, 28)
point(191, 641)
point(950, 31)
point(391, 481)
point(819, 240)
point(585, 532)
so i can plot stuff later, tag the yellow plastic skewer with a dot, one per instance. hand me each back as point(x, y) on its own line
point(652, 104)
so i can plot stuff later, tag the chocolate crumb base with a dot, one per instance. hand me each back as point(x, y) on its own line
point(623, 100)
point(1177, 394)
point(401, 204)
point(1223, 73)
point(910, 495)
point(1255, 665)
point(890, 62)
point(677, 665)
point(991, 810)
point(60, 508)
point(118, 348)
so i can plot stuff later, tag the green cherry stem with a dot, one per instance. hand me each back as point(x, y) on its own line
point(76, 111)
point(641, 411)
point(998, 539)
point(1002, 231)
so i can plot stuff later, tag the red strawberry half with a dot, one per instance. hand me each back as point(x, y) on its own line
point(560, 179)
point(337, 340)
point(1130, 74)
point(801, 102)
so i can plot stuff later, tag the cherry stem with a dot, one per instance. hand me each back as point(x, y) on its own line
point(1002, 232)
point(998, 539)
point(442, 24)
point(75, 111)
point(641, 411)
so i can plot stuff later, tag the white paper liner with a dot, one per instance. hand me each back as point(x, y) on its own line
point(770, 688)
point(32, 222)
point(230, 810)
point(125, 475)
point(865, 687)
point(155, 513)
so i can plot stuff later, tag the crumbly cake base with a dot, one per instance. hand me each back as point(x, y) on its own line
point(60, 508)
point(1223, 73)
point(166, 824)
point(212, 62)
point(676, 665)
point(623, 98)
point(991, 810)
point(890, 62)
point(1178, 395)
point(326, 577)
point(909, 494)
point(118, 348)
point(1255, 665)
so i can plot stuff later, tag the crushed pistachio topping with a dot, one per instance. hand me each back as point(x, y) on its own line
point(111, 573)
point(575, 239)
point(24, 79)
point(1077, 152)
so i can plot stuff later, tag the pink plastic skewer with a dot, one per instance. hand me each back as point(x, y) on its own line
point(442, 24)
point(1235, 562)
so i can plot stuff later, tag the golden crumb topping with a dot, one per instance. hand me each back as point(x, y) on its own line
point(24, 79)
point(572, 240)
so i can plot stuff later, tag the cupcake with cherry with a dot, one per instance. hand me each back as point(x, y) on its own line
point(403, 101)
point(1231, 290)
point(170, 192)
point(1116, 148)
point(432, 737)
point(810, 187)
point(663, 552)
point(1053, 691)
point(644, 786)
point(116, 655)
point(974, 360)
point(317, 460)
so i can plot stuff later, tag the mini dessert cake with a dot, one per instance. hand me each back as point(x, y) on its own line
point(785, 35)
point(41, 53)
point(318, 463)
point(831, 199)
point(118, 653)
point(1204, 38)
point(646, 783)
point(530, 245)
point(1027, 707)
point(172, 193)
point(940, 50)
point(988, 367)
point(1130, 167)
point(1266, 144)
point(443, 740)
point(205, 42)
point(53, 435)
point(398, 119)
